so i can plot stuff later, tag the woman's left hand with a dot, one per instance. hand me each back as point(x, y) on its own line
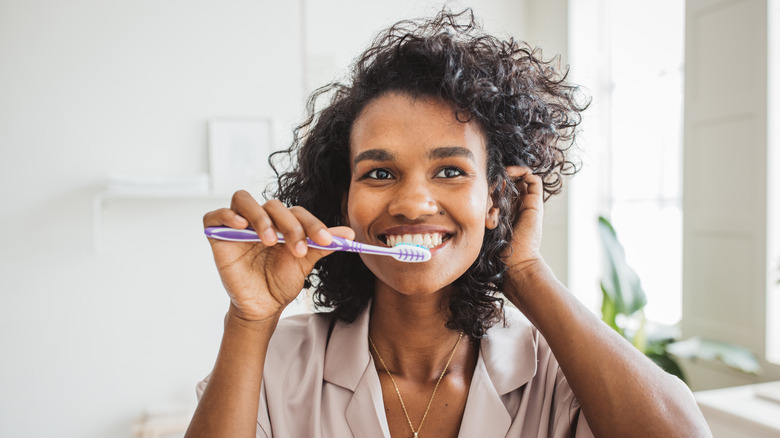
point(527, 238)
point(580, 341)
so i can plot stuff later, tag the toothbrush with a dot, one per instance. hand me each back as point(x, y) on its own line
point(404, 252)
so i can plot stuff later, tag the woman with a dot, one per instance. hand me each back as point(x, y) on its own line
point(454, 138)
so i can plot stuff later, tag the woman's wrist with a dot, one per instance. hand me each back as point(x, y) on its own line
point(533, 288)
point(236, 318)
point(528, 281)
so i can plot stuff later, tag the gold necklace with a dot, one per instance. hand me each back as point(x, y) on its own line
point(387, 370)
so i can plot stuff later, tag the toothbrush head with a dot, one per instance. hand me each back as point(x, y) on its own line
point(409, 252)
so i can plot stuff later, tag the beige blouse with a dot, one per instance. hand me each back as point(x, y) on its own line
point(317, 385)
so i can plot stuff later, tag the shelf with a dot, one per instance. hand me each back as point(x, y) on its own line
point(108, 195)
point(101, 198)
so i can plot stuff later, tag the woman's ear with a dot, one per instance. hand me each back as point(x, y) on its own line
point(492, 214)
point(491, 219)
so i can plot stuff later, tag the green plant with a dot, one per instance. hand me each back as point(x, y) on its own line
point(622, 308)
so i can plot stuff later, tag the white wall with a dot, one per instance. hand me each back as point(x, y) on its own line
point(337, 32)
point(89, 341)
point(91, 87)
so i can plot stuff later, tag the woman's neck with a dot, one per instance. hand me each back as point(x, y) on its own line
point(410, 333)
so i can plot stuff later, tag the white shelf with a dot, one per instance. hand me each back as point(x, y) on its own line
point(101, 198)
point(108, 195)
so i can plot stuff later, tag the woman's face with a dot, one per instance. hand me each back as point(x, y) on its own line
point(419, 172)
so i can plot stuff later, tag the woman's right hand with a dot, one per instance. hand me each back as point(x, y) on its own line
point(262, 278)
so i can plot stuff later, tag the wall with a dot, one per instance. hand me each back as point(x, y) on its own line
point(549, 30)
point(90, 340)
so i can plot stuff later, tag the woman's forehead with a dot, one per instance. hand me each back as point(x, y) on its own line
point(398, 121)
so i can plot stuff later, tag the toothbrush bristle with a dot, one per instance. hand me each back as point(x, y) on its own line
point(412, 252)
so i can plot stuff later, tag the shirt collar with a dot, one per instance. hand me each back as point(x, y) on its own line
point(347, 355)
point(508, 351)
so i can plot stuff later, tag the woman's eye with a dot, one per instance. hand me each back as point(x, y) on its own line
point(379, 174)
point(449, 172)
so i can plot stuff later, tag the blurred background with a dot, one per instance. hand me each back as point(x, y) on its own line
point(110, 308)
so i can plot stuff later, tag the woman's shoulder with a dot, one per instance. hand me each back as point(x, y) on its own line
point(513, 326)
point(517, 335)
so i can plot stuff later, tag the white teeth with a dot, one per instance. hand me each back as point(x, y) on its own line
point(426, 240)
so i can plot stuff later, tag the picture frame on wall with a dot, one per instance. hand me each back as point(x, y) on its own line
point(238, 154)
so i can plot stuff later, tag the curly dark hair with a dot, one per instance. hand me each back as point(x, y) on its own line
point(526, 110)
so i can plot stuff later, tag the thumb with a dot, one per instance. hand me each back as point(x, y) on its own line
point(345, 232)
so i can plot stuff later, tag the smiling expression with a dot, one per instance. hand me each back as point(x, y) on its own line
point(418, 174)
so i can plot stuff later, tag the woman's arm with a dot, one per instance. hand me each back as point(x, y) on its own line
point(229, 404)
point(261, 279)
point(621, 391)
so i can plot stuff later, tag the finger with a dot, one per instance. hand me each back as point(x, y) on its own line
point(224, 217)
point(315, 254)
point(313, 227)
point(246, 206)
point(518, 172)
point(345, 232)
point(288, 224)
point(529, 185)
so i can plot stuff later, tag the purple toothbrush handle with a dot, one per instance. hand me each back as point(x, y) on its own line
point(250, 235)
point(232, 234)
point(404, 253)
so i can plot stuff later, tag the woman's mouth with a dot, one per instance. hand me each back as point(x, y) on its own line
point(426, 240)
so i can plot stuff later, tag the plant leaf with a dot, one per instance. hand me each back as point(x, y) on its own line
point(609, 311)
point(639, 340)
point(668, 364)
point(731, 355)
point(619, 281)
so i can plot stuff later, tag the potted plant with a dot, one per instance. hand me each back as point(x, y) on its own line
point(622, 309)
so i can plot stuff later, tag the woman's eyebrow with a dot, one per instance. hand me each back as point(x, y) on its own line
point(434, 154)
point(450, 151)
point(374, 154)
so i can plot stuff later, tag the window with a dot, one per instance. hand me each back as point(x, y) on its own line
point(632, 144)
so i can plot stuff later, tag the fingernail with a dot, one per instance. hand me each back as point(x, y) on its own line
point(301, 248)
point(324, 235)
point(268, 236)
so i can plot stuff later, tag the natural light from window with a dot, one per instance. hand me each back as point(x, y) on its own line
point(632, 143)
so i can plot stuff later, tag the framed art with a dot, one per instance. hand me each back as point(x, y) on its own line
point(238, 154)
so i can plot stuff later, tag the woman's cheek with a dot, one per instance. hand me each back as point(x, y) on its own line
point(359, 212)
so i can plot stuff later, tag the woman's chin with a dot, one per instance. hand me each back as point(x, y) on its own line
point(413, 287)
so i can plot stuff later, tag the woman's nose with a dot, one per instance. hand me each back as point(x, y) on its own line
point(413, 201)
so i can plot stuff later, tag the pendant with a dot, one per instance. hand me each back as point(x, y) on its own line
point(415, 435)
